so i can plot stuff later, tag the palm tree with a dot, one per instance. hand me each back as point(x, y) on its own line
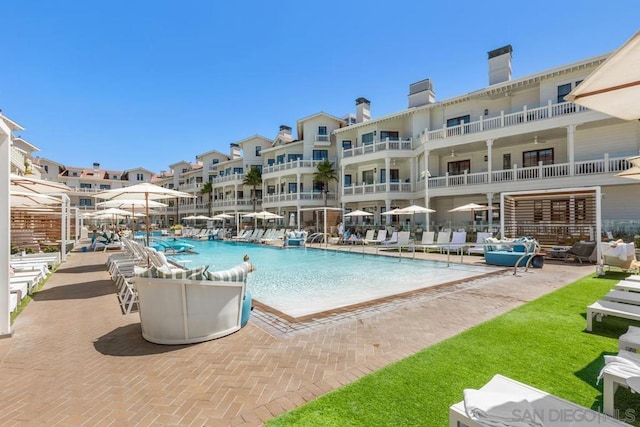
point(325, 174)
point(207, 188)
point(253, 178)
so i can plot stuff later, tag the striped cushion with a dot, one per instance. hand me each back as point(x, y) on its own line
point(150, 272)
point(235, 274)
point(181, 274)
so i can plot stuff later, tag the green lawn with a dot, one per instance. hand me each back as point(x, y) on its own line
point(542, 343)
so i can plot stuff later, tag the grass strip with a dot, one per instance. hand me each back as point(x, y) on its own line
point(542, 343)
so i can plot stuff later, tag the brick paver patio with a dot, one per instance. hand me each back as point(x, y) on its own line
point(75, 359)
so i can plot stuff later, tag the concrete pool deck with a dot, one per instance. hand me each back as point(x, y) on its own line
point(74, 359)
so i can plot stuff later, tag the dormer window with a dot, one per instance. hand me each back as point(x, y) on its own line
point(258, 151)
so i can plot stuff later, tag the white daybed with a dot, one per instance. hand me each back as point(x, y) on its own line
point(185, 311)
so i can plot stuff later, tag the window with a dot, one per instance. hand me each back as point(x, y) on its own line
point(140, 177)
point(383, 176)
point(271, 162)
point(258, 151)
point(318, 186)
point(105, 187)
point(293, 187)
point(237, 171)
point(74, 174)
point(367, 138)
point(259, 167)
point(86, 202)
point(293, 157)
point(271, 189)
point(280, 159)
point(392, 135)
point(184, 170)
point(211, 178)
point(537, 210)
point(458, 168)
point(320, 154)
point(455, 121)
point(563, 90)
point(227, 171)
point(85, 186)
point(215, 161)
point(46, 168)
point(347, 180)
point(532, 158)
point(346, 144)
point(394, 175)
point(322, 134)
point(367, 177)
point(506, 161)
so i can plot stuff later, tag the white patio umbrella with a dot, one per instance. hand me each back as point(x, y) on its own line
point(24, 199)
point(131, 204)
point(413, 210)
point(472, 207)
point(224, 217)
point(144, 191)
point(33, 185)
point(358, 212)
point(614, 87)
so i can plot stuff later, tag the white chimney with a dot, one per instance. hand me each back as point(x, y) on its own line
point(236, 151)
point(96, 167)
point(284, 130)
point(500, 65)
point(363, 110)
point(421, 93)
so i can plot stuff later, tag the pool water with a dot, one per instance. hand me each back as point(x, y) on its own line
point(300, 282)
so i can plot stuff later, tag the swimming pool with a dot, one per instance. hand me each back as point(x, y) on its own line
point(302, 282)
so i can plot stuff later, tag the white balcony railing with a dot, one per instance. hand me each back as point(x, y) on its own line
point(380, 145)
point(234, 202)
point(502, 120)
point(378, 188)
point(293, 165)
point(294, 197)
point(18, 159)
point(605, 165)
point(227, 178)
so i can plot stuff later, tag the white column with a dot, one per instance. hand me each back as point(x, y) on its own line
point(5, 229)
point(490, 212)
point(427, 216)
point(489, 154)
point(412, 172)
point(387, 185)
point(571, 130)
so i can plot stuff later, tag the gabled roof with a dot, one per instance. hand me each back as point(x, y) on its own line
point(253, 138)
point(498, 88)
point(10, 123)
point(211, 152)
point(139, 168)
point(25, 143)
point(301, 121)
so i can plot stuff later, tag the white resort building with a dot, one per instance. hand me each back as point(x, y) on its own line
point(513, 135)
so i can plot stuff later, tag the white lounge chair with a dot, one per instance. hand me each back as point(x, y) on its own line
point(478, 248)
point(503, 398)
point(427, 240)
point(401, 241)
point(617, 371)
point(443, 238)
point(457, 243)
point(391, 240)
point(380, 237)
point(611, 308)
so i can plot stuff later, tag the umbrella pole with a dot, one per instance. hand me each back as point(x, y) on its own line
point(146, 202)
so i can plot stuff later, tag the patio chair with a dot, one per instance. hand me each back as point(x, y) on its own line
point(458, 241)
point(581, 251)
point(444, 237)
point(503, 401)
point(478, 248)
point(382, 235)
point(622, 369)
point(391, 240)
point(427, 239)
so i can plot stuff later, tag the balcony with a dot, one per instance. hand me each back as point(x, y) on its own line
point(293, 165)
point(525, 115)
point(228, 178)
point(234, 202)
point(322, 141)
point(194, 186)
point(605, 165)
point(379, 188)
point(18, 159)
point(306, 196)
point(379, 145)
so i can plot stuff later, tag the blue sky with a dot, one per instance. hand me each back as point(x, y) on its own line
point(134, 83)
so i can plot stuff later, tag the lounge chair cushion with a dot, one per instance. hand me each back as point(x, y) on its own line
point(494, 408)
point(192, 274)
point(236, 274)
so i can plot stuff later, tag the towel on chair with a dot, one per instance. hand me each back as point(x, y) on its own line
point(492, 409)
point(625, 364)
